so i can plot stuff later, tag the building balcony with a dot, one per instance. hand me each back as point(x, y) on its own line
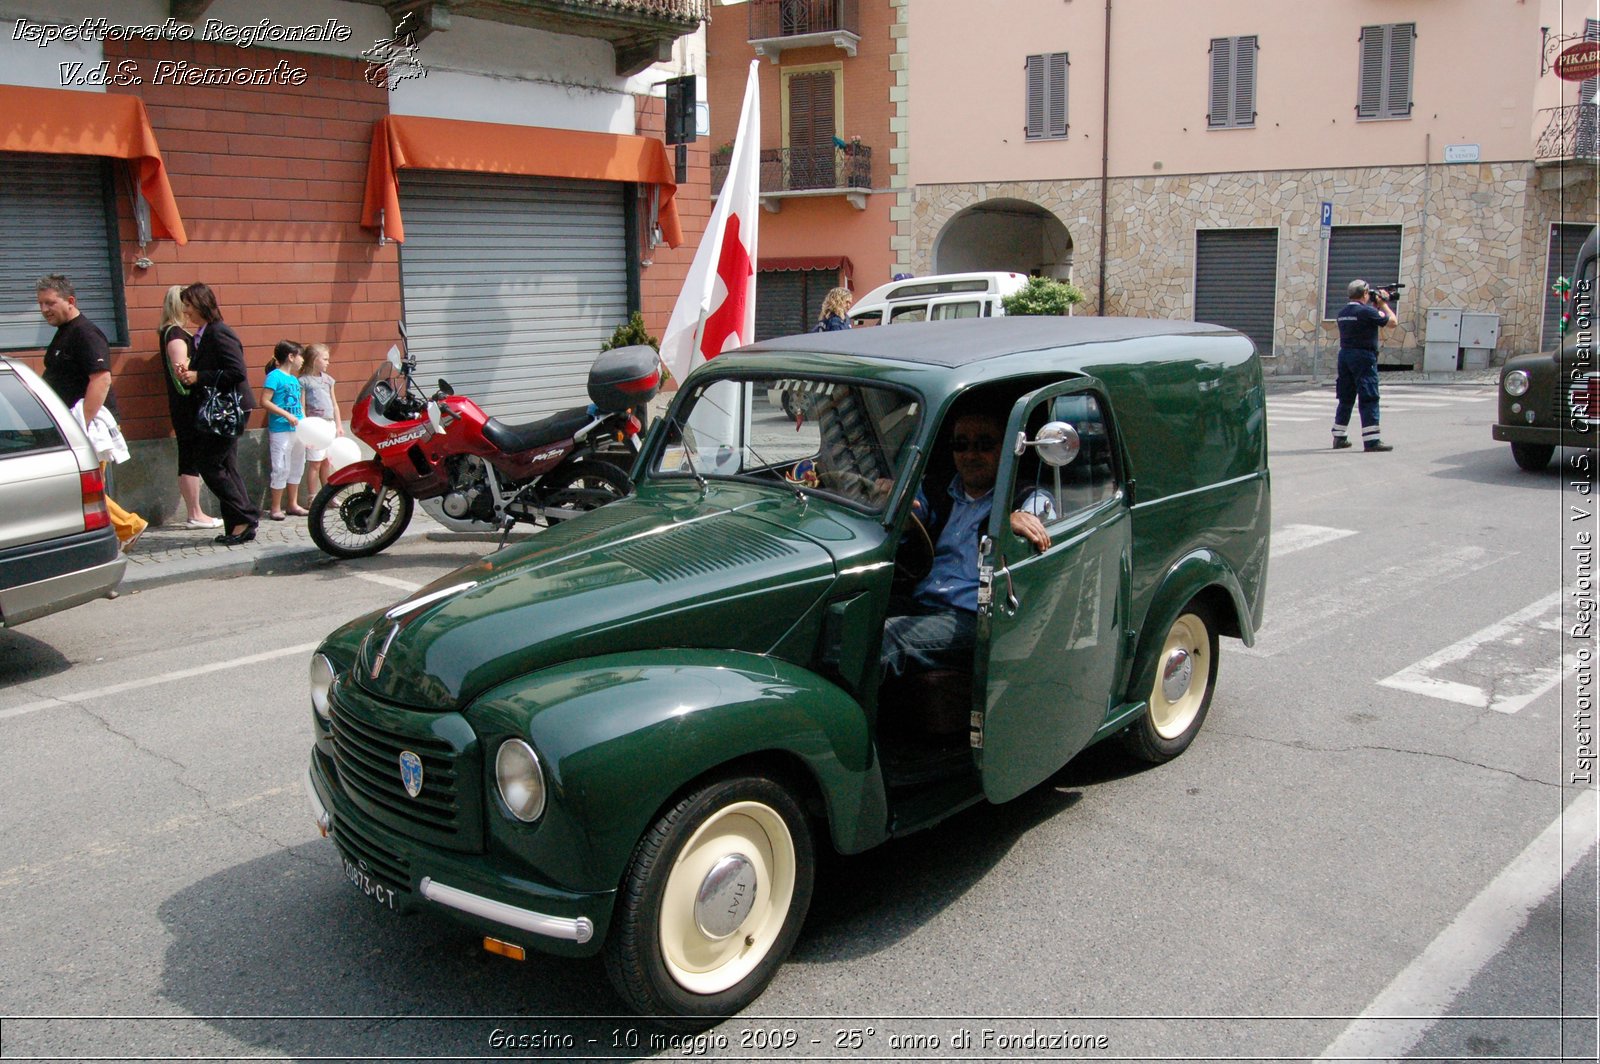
point(641, 32)
point(776, 25)
point(787, 173)
point(1568, 145)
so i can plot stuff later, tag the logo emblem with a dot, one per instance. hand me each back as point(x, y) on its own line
point(411, 772)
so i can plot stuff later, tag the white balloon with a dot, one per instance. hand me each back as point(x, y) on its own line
point(343, 451)
point(315, 432)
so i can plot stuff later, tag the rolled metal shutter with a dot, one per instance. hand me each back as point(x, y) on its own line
point(56, 216)
point(1236, 281)
point(790, 301)
point(511, 284)
point(1565, 240)
point(1368, 252)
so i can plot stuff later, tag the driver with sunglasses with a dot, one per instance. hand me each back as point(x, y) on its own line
point(937, 628)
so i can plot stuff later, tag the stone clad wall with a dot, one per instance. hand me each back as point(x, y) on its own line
point(1473, 237)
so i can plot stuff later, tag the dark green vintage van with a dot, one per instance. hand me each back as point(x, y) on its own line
point(632, 732)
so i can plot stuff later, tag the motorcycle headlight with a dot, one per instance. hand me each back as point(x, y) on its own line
point(321, 684)
point(521, 780)
point(1516, 383)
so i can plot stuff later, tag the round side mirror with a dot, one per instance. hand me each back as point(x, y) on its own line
point(1058, 443)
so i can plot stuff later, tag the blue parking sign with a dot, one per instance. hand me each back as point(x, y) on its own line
point(1327, 214)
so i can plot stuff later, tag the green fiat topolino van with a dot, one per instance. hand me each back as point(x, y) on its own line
point(633, 732)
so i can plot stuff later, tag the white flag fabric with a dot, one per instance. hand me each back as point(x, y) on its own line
point(717, 308)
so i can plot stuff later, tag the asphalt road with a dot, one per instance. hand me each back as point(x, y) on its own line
point(1369, 827)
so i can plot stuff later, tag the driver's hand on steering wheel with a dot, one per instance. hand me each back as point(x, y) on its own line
point(1030, 528)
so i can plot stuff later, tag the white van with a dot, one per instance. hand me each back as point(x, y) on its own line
point(937, 298)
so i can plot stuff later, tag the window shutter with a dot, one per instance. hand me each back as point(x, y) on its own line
point(1220, 103)
point(1035, 120)
point(1397, 82)
point(1370, 103)
point(1057, 115)
point(1244, 82)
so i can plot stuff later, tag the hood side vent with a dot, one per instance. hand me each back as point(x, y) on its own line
point(696, 550)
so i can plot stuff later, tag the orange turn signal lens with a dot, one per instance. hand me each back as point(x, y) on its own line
point(505, 949)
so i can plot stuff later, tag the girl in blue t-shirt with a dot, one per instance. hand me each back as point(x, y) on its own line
point(280, 395)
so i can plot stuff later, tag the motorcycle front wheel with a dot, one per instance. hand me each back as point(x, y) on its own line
point(580, 487)
point(339, 516)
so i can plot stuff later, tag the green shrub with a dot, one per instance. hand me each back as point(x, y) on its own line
point(630, 333)
point(1043, 295)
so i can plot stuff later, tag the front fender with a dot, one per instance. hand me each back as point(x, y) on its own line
point(1202, 572)
point(620, 735)
point(370, 471)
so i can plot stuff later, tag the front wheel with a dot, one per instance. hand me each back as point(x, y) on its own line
point(1532, 456)
point(580, 487)
point(712, 902)
point(1186, 676)
point(340, 513)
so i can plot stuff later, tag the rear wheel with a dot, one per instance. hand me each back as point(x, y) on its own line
point(1186, 676)
point(1532, 456)
point(712, 902)
point(582, 486)
point(339, 516)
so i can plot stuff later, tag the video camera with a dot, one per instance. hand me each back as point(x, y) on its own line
point(1393, 288)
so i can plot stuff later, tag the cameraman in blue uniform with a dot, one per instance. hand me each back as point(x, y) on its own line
point(1359, 322)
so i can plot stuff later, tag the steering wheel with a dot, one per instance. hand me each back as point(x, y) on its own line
point(913, 559)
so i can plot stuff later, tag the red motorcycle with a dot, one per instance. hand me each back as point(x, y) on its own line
point(471, 471)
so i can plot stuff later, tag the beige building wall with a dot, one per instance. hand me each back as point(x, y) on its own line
point(1474, 236)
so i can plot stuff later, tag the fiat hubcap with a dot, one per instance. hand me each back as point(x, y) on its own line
point(726, 896)
point(1176, 674)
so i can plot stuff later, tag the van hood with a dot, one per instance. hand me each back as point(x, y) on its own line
point(633, 575)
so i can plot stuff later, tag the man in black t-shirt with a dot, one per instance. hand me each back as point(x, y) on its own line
point(77, 365)
point(1359, 322)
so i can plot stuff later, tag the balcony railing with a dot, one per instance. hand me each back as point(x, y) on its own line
point(1570, 132)
point(779, 24)
point(803, 169)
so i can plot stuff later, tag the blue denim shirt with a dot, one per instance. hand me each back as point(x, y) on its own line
point(952, 582)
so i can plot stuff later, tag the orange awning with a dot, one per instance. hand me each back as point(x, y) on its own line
point(401, 142)
point(63, 122)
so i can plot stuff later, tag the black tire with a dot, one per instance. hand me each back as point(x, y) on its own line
point(1532, 456)
point(660, 956)
point(583, 486)
point(1180, 696)
point(340, 511)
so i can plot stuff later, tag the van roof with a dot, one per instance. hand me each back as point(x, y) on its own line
point(942, 284)
point(965, 341)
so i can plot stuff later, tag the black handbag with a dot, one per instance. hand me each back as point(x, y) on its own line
point(220, 413)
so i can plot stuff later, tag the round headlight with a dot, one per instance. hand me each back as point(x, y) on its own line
point(1516, 383)
point(321, 684)
point(516, 769)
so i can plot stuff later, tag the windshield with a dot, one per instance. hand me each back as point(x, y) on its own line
point(839, 438)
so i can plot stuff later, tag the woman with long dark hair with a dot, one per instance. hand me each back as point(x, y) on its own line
point(218, 363)
point(177, 348)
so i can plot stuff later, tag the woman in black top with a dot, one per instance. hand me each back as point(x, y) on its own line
point(177, 350)
point(218, 363)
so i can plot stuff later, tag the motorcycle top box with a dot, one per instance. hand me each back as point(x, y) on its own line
point(624, 377)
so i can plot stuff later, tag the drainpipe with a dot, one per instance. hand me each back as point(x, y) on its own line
point(1105, 157)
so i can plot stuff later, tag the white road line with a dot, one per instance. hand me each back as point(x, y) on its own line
point(1524, 685)
point(151, 681)
point(1405, 1010)
point(1291, 538)
point(1273, 419)
point(388, 581)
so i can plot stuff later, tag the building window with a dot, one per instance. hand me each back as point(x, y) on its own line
point(1047, 96)
point(1387, 54)
point(58, 215)
point(1367, 252)
point(811, 120)
point(1233, 83)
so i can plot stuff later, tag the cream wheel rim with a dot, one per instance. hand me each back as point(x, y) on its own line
point(1183, 672)
point(752, 838)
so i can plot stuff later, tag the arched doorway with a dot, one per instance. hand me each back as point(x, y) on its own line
point(1004, 234)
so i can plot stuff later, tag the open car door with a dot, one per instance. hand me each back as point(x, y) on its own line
point(1050, 644)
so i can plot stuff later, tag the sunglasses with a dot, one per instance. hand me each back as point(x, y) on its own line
point(982, 443)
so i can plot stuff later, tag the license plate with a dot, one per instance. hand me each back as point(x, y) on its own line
point(363, 881)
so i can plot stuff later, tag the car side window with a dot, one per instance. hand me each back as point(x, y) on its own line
point(1086, 481)
point(25, 425)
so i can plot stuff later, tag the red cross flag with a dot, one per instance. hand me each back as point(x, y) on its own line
point(717, 308)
